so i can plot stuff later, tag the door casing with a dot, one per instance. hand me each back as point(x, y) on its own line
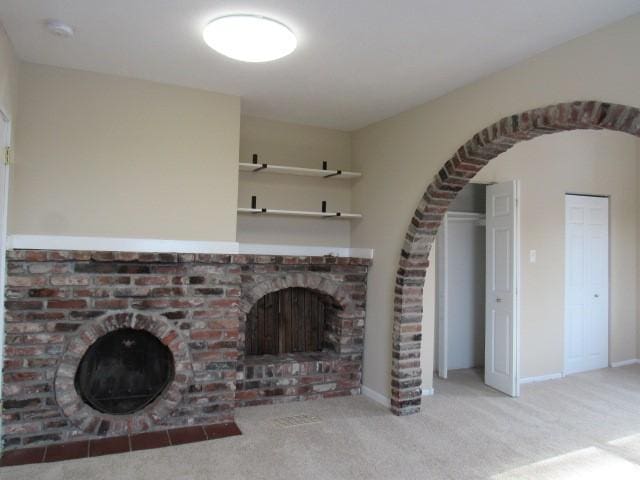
point(5, 124)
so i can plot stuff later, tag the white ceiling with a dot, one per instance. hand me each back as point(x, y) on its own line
point(358, 61)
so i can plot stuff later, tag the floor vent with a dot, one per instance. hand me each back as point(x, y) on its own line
point(296, 420)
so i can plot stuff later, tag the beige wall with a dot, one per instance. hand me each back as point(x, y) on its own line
point(103, 155)
point(301, 146)
point(100, 155)
point(8, 76)
point(400, 156)
point(601, 163)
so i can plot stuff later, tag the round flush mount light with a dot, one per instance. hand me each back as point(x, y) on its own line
point(250, 38)
point(58, 28)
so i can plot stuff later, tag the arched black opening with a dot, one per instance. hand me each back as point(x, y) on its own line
point(124, 371)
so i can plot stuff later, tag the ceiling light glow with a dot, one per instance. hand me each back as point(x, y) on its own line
point(250, 38)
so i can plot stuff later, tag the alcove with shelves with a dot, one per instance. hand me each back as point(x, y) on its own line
point(294, 184)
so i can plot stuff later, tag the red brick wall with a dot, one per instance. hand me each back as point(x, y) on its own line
point(337, 371)
point(59, 302)
point(51, 295)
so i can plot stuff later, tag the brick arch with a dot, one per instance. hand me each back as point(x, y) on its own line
point(406, 374)
point(94, 422)
point(313, 281)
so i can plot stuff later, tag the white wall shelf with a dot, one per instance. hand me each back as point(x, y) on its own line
point(309, 172)
point(299, 213)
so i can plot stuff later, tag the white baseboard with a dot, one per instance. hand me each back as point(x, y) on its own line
point(375, 396)
point(541, 378)
point(152, 245)
point(382, 400)
point(427, 392)
point(624, 363)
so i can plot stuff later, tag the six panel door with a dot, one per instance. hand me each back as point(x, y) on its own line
point(586, 283)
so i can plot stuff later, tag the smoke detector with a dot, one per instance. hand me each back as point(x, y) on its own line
point(59, 29)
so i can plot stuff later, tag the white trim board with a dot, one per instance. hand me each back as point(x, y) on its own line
point(266, 249)
point(556, 376)
point(64, 242)
point(5, 122)
point(541, 378)
point(375, 396)
point(428, 392)
point(624, 363)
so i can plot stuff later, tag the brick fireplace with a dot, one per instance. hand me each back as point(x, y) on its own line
point(189, 308)
point(334, 368)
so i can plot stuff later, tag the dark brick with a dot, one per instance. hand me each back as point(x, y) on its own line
point(21, 404)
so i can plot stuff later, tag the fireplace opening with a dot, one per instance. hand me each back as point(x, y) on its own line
point(292, 320)
point(124, 371)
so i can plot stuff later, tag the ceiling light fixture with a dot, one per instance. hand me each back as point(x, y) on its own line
point(250, 38)
point(59, 28)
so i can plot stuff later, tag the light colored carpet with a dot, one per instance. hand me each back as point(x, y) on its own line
point(586, 426)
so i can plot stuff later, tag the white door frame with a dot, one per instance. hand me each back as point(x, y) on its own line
point(442, 295)
point(517, 296)
point(566, 276)
point(5, 122)
point(441, 299)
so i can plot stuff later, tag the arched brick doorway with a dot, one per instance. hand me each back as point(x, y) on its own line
point(406, 374)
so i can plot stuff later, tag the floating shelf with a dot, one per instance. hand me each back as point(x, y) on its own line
point(309, 172)
point(299, 213)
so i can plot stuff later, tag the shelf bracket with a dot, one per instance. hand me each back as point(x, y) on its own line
point(254, 160)
point(338, 172)
point(254, 205)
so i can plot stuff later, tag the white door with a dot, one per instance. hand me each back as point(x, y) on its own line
point(501, 325)
point(441, 286)
point(586, 343)
point(4, 184)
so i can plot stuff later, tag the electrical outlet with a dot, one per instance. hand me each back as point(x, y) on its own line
point(532, 256)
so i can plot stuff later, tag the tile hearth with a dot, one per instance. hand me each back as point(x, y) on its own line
point(115, 445)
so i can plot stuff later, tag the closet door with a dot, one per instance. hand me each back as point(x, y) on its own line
point(501, 328)
point(586, 283)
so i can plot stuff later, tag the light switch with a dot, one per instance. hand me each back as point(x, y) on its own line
point(532, 256)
